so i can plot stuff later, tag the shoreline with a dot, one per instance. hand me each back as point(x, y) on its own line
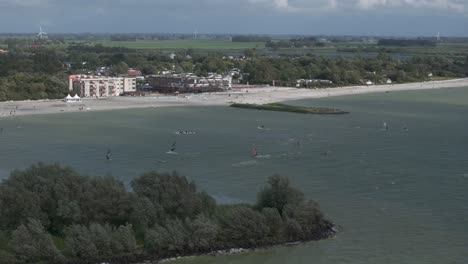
point(331, 232)
point(250, 95)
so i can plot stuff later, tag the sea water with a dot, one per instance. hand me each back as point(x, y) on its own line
point(399, 196)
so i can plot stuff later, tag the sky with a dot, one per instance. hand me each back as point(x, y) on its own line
point(307, 17)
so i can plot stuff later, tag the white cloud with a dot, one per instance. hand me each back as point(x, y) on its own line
point(307, 6)
point(287, 6)
point(455, 5)
point(26, 3)
point(297, 6)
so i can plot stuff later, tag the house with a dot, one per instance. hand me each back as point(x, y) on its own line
point(3, 51)
point(133, 73)
point(189, 83)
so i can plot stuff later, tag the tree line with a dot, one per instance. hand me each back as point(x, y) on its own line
point(250, 38)
point(52, 214)
point(39, 73)
point(407, 42)
point(295, 43)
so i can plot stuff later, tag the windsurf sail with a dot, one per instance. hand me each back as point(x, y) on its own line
point(173, 148)
point(254, 152)
point(108, 154)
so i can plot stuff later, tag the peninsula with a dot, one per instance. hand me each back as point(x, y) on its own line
point(52, 214)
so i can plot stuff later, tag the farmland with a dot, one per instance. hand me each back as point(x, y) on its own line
point(183, 44)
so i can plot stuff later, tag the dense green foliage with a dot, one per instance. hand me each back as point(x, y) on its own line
point(290, 108)
point(51, 214)
point(32, 74)
point(305, 42)
point(345, 71)
point(250, 38)
point(28, 72)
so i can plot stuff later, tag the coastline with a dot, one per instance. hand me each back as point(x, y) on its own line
point(250, 95)
point(331, 232)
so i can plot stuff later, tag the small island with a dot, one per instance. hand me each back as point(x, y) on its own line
point(52, 214)
point(291, 108)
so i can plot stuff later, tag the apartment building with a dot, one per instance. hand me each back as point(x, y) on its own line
point(100, 86)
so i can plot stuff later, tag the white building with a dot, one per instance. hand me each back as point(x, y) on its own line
point(74, 99)
point(98, 86)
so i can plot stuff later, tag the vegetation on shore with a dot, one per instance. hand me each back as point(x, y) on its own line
point(52, 214)
point(291, 108)
point(28, 72)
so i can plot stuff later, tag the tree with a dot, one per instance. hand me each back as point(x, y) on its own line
point(119, 68)
point(123, 241)
point(168, 239)
point(203, 232)
point(31, 244)
point(79, 243)
point(170, 215)
point(6, 257)
point(250, 53)
point(279, 194)
point(58, 196)
point(274, 222)
point(98, 242)
point(173, 193)
point(308, 216)
point(242, 227)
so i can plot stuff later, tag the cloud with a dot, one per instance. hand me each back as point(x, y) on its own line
point(307, 6)
point(296, 6)
point(289, 6)
point(25, 3)
point(454, 5)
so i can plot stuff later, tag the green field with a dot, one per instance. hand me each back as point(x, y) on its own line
point(184, 44)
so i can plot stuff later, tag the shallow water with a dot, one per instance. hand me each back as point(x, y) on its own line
point(400, 196)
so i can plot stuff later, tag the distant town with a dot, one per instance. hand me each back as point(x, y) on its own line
point(109, 65)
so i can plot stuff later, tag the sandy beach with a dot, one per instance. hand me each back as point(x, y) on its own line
point(257, 95)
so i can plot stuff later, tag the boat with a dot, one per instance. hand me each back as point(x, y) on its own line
point(182, 133)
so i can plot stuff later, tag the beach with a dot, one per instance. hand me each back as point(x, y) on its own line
point(252, 95)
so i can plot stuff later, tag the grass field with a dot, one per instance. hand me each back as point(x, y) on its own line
point(184, 44)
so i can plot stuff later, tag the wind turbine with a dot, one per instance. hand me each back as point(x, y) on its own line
point(438, 36)
point(195, 34)
point(42, 34)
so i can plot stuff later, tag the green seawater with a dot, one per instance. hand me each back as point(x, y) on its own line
point(399, 196)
